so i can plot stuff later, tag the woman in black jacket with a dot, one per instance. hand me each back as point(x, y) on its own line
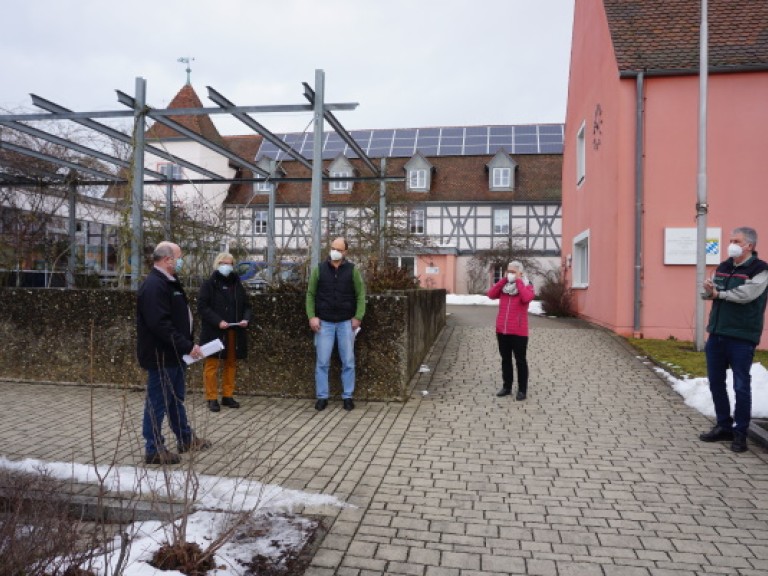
point(225, 312)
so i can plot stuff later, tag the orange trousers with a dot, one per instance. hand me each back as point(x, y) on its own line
point(227, 367)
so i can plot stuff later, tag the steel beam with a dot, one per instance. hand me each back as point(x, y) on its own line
point(309, 94)
point(219, 99)
point(74, 146)
point(53, 159)
point(124, 98)
point(56, 110)
point(70, 115)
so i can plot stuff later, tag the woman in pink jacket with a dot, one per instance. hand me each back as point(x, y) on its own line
point(513, 292)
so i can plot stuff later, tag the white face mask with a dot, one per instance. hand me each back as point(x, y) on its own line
point(225, 269)
point(511, 276)
point(734, 251)
point(336, 255)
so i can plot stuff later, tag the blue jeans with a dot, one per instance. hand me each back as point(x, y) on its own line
point(165, 394)
point(342, 333)
point(723, 352)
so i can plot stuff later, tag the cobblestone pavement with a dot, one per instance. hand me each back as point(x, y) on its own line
point(599, 472)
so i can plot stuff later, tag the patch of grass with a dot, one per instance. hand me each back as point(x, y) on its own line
point(679, 358)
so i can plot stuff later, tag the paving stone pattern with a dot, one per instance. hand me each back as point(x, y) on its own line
point(599, 472)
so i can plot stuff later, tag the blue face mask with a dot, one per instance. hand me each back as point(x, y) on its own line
point(179, 264)
point(225, 269)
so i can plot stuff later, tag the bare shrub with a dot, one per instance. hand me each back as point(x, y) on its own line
point(38, 536)
point(381, 276)
point(555, 295)
point(187, 558)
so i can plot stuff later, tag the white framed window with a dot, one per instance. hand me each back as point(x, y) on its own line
point(580, 263)
point(260, 222)
point(416, 221)
point(343, 186)
point(502, 177)
point(417, 179)
point(168, 169)
point(501, 221)
point(404, 262)
point(336, 222)
point(581, 154)
point(262, 186)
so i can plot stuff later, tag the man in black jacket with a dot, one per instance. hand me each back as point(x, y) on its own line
point(164, 336)
point(738, 294)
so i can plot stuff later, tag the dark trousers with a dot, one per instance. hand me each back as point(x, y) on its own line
point(722, 353)
point(166, 389)
point(517, 345)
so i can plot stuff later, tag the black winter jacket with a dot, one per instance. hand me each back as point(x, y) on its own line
point(224, 298)
point(163, 322)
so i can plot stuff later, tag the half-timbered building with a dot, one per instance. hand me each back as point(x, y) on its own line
point(461, 190)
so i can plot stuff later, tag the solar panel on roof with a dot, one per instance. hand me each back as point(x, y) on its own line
point(432, 141)
point(402, 151)
point(551, 129)
point(475, 149)
point(434, 132)
point(525, 139)
point(452, 132)
point(551, 149)
point(527, 129)
point(477, 131)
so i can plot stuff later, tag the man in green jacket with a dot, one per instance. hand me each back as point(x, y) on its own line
point(738, 294)
point(335, 308)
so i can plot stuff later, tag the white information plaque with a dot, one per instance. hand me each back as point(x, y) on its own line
point(680, 246)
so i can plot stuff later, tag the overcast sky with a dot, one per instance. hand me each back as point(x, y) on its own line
point(408, 63)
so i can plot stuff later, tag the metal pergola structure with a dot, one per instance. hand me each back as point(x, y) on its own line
point(82, 175)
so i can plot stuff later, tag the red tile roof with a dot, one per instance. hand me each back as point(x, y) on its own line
point(203, 125)
point(656, 35)
point(455, 179)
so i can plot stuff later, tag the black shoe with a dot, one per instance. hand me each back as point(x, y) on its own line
point(213, 405)
point(520, 395)
point(230, 402)
point(164, 457)
point(717, 434)
point(739, 443)
point(349, 404)
point(193, 444)
point(321, 404)
point(504, 392)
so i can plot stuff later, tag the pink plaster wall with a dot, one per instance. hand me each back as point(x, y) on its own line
point(591, 205)
point(737, 174)
point(446, 278)
point(605, 202)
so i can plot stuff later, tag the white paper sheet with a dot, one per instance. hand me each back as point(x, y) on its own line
point(208, 348)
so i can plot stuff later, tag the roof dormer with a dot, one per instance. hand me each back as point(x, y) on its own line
point(501, 172)
point(418, 172)
point(340, 168)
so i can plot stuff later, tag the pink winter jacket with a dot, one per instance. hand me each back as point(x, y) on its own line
point(513, 310)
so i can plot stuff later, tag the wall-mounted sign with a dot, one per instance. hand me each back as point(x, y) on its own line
point(433, 270)
point(680, 246)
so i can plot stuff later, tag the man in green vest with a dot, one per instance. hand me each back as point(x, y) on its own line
point(335, 308)
point(738, 294)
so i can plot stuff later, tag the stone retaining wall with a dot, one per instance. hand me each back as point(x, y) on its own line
point(89, 337)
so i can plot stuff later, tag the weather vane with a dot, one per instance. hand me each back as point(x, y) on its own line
point(186, 61)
